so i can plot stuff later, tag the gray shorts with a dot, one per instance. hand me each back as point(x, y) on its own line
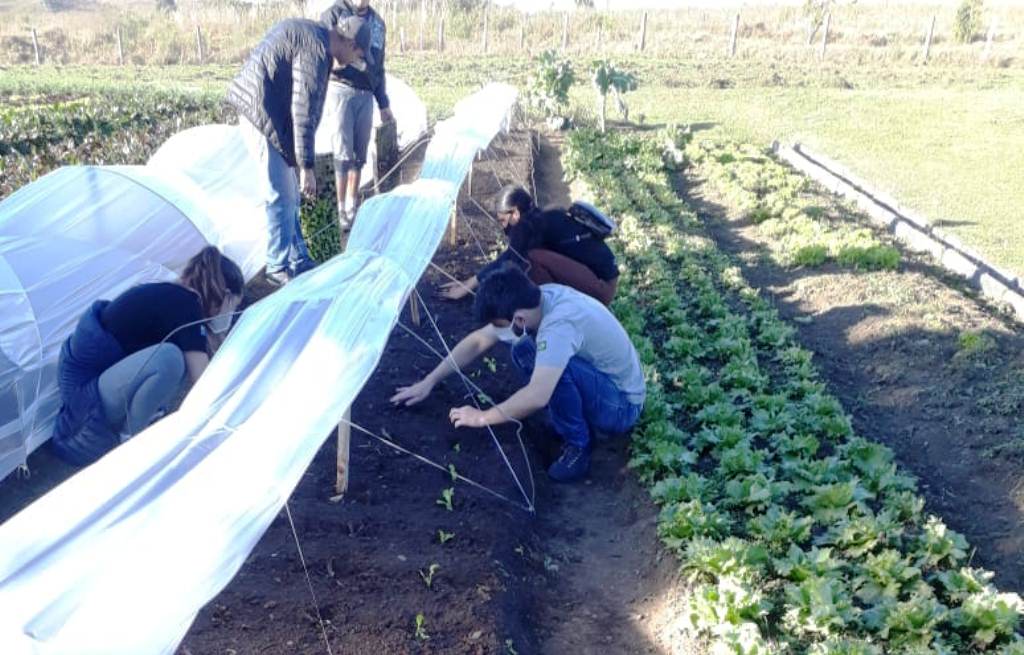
point(352, 111)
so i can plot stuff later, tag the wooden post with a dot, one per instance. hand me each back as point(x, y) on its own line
point(199, 43)
point(35, 47)
point(565, 30)
point(453, 228)
point(120, 46)
point(423, 21)
point(928, 39)
point(485, 29)
point(824, 34)
point(414, 308)
point(642, 43)
point(988, 41)
point(440, 33)
point(394, 16)
point(344, 450)
point(735, 32)
point(522, 33)
point(401, 39)
point(469, 182)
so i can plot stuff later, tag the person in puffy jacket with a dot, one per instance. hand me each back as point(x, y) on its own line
point(279, 95)
point(349, 108)
point(131, 357)
point(550, 246)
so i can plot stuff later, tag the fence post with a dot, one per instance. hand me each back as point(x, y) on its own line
point(401, 39)
point(988, 41)
point(485, 29)
point(522, 32)
point(440, 33)
point(643, 32)
point(120, 46)
point(199, 43)
point(928, 39)
point(565, 30)
point(824, 34)
point(423, 20)
point(394, 16)
point(453, 228)
point(735, 32)
point(35, 46)
point(344, 449)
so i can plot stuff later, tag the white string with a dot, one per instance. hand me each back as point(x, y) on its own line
point(309, 581)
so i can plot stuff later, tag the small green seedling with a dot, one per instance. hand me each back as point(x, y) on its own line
point(428, 577)
point(510, 647)
point(484, 399)
point(420, 625)
point(445, 500)
point(445, 537)
point(457, 447)
point(452, 472)
point(491, 364)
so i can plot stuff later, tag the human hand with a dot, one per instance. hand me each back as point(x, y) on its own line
point(454, 291)
point(386, 116)
point(307, 182)
point(466, 417)
point(412, 394)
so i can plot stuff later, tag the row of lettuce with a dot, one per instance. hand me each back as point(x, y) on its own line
point(797, 535)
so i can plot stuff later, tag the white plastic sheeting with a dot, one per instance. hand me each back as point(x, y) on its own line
point(119, 558)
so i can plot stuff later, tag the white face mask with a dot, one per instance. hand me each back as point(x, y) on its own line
point(221, 323)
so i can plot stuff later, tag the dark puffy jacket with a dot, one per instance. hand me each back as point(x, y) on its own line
point(282, 86)
point(82, 434)
point(372, 79)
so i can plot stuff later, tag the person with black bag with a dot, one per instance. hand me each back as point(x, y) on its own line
point(560, 246)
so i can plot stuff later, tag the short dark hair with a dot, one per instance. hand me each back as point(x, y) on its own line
point(512, 197)
point(503, 292)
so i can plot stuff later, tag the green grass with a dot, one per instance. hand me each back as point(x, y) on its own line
point(946, 141)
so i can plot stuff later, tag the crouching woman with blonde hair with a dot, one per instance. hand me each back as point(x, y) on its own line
point(131, 357)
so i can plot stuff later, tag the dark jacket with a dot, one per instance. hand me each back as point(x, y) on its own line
point(372, 79)
point(556, 230)
point(82, 434)
point(282, 86)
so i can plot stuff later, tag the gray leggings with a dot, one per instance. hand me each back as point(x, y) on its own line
point(138, 387)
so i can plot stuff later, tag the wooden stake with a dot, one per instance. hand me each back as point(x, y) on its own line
point(414, 308)
point(440, 33)
point(642, 43)
point(735, 32)
point(344, 450)
point(824, 35)
point(199, 43)
point(35, 47)
point(565, 30)
point(988, 41)
point(120, 47)
point(485, 29)
point(928, 39)
point(453, 228)
point(522, 33)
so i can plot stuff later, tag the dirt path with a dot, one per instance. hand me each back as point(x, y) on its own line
point(888, 344)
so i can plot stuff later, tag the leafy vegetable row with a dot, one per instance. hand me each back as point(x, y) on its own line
point(798, 536)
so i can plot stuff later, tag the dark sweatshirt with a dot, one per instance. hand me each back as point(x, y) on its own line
point(372, 79)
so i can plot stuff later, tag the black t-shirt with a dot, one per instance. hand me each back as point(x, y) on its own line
point(554, 229)
point(144, 315)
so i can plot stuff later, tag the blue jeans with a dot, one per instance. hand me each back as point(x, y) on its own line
point(137, 388)
point(584, 399)
point(286, 249)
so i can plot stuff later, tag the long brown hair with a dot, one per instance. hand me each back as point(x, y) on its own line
point(212, 275)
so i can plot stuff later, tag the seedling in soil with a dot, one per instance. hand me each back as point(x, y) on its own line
point(457, 447)
point(491, 364)
point(510, 647)
point(484, 399)
point(452, 472)
point(445, 500)
point(445, 537)
point(428, 577)
point(420, 624)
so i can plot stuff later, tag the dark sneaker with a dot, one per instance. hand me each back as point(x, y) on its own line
point(277, 278)
point(303, 267)
point(573, 464)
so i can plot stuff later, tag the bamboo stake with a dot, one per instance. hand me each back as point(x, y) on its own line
point(643, 32)
point(120, 47)
point(199, 43)
point(414, 309)
point(565, 30)
point(35, 47)
point(928, 39)
point(440, 33)
point(824, 34)
point(522, 33)
point(453, 228)
point(344, 451)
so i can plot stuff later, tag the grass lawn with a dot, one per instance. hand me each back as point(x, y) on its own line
point(947, 142)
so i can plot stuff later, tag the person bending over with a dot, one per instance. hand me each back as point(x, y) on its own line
point(550, 246)
point(131, 357)
point(579, 361)
point(279, 95)
point(350, 96)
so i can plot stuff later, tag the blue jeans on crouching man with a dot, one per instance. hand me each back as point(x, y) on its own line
point(585, 399)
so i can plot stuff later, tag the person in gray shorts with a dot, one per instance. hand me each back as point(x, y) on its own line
point(350, 95)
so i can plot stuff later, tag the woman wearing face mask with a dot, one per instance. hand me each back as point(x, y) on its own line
point(131, 357)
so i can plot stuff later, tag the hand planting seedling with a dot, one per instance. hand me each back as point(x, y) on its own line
point(428, 576)
point(445, 500)
point(444, 537)
point(420, 626)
